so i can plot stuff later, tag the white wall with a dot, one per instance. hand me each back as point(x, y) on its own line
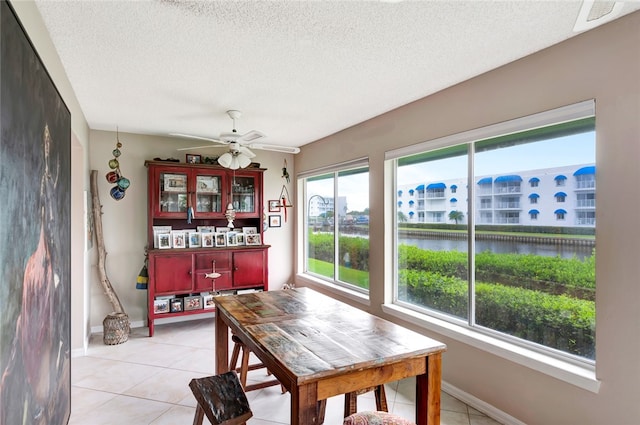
point(603, 64)
point(124, 222)
point(32, 22)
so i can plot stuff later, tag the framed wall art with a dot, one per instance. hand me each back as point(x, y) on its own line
point(275, 221)
point(274, 205)
point(35, 294)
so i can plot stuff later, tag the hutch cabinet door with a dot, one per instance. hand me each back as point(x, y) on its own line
point(245, 188)
point(219, 262)
point(249, 268)
point(209, 193)
point(171, 273)
point(168, 192)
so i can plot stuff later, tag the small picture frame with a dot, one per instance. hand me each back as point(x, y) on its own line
point(208, 239)
point(222, 229)
point(194, 159)
point(206, 229)
point(160, 306)
point(232, 238)
point(158, 230)
point(275, 221)
point(164, 240)
point(252, 239)
point(193, 303)
point(249, 230)
point(178, 239)
point(195, 239)
point(221, 239)
point(274, 205)
point(240, 238)
point(175, 305)
point(207, 301)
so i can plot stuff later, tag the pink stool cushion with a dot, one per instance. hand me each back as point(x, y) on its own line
point(375, 418)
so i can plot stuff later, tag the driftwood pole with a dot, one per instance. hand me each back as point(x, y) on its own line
point(116, 324)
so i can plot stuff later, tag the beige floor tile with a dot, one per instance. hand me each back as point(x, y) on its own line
point(168, 385)
point(176, 415)
point(452, 404)
point(453, 418)
point(144, 381)
point(123, 410)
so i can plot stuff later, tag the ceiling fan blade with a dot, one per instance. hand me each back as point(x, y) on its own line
point(198, 147)
point(251, 136)
point(190, 136)
point(245, 151)
point(276, 148)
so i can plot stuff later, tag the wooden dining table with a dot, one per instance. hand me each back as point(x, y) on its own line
point(319, 347)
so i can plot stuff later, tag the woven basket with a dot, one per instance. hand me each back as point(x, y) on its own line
point(116, 328)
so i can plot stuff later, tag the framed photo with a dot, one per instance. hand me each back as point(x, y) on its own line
point(164, 240)
point(192, 303)
point(240, 238)
point(207, 184)
point(206, 229)
point(221, 239)
point(195, 240)
point(275, 221)
point(158, 230)
point(208, 240)
point(222, 229)
point(160, 306)
point(175, 305)
point(252, 239)
point(232, 238)
point(207, 301)
point(175, 182)
point(194, 159)
point(249, 230)
point(178, 239)
point(274, 205)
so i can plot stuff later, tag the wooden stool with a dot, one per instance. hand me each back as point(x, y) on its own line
point(221, 398)
point(245, 367)
point(351, 400)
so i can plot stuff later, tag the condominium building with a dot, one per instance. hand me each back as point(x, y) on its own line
point(561, 196)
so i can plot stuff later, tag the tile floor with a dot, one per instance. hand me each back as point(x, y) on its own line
point(145, 381)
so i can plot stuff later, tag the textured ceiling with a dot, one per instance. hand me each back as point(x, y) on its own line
point(299, 70)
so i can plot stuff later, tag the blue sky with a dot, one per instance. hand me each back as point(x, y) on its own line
point(569, 150)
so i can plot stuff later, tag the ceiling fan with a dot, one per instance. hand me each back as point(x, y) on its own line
point(239, 154)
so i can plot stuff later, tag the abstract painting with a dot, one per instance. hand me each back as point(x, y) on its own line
point(35, 238)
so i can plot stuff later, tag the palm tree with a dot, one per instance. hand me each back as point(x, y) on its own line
point(456, 215)
point(402, 218)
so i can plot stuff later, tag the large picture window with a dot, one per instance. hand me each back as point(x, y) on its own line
point(336, 228)
point(489, 262)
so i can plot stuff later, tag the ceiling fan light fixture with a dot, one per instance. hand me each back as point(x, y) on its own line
point(243, 160)
point(225, 160)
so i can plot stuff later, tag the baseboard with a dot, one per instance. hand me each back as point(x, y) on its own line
point(480, 405)
point(143, 323)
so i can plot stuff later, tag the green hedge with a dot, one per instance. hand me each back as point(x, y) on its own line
point(321, 248)
point(554, 275)
point(557, 321)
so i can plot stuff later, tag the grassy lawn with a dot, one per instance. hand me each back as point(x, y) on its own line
point(352, 276)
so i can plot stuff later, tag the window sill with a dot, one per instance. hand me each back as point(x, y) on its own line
point(582, 376)
point(338, 290)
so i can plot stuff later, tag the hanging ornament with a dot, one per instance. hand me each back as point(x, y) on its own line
point(122, 183)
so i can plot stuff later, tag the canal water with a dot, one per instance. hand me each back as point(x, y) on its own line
point(502, 247)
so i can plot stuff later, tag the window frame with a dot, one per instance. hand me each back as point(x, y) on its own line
point(302, 220)
point(572, 369)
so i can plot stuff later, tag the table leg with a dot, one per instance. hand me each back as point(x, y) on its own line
point(222, 345)
point(428, 388)
point(304, 405)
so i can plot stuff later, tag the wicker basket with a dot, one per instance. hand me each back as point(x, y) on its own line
point(116, 328)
